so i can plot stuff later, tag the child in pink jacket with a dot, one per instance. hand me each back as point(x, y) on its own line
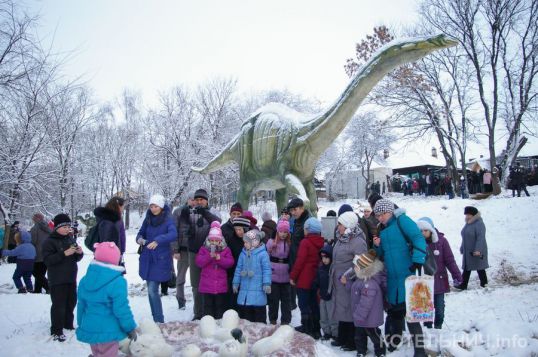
point(214, 258)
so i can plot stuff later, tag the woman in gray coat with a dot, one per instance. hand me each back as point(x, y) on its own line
point(473, 247)
point(350, 241)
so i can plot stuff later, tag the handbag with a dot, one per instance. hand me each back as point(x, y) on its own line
point(430, 264)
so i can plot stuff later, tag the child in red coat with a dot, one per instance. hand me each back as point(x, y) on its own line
point(214, 258)
point(302, 276)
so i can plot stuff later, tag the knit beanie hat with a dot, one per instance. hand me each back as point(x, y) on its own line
point(364, 260)
point(38, 217)
point(107, 252)
point(266, 216)
point(383, 206)
point(236, 207)
point(348, 219)
point(331, 213)
point(215, 232)
point(241, 221)
point(250, 217)
point(426, 223)
point(201, 193)
point(470, 210)
point(285, 210)
point(344, 208)
point(295, 202)
point(61, 220)
point(283, 226)
point(157, 200)
point(428, 220)
point(312, 225)
point(252, 235)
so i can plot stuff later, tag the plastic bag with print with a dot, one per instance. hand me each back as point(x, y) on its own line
point(419, 298)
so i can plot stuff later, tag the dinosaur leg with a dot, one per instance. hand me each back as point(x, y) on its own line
point(312, 196)
point(281, 199)
point(295, 185)
point(243, 196)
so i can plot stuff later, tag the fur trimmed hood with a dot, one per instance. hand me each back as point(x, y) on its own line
point(474, 218)
point(370, 271)
point(425, 225)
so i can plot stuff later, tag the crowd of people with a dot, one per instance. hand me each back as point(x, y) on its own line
point(345, 287)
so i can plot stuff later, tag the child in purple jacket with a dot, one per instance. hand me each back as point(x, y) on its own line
point(367, 302)
point(279, 250)
point(445, 260)
point(214, 258)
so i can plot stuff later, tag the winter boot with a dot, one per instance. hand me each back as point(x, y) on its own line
point(59, 338)
point(181, 304)
point(316, 334)
point(305, 327)
point(22, 290)
point(326, 337)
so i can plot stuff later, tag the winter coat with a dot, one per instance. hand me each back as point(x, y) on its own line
point(199, 225)
point(25, 253)
point(121, 228)
point(395, 252)
point(156, 264)
point(305, 267)
point(253, 272)
point(445, 260)
point(269, 228)
point(343, 254)
point(322, 276)
point(103, 312)
point(236, 246)
point(227, 230)
point(278, 255)
point(2, 233)
point(61, 269)
point(213, 277)
point(369, 228)
point(182, 221)
point(367, 295)
point(297, 235)
point(473, 237)
point(40, 231)
point(108, 229)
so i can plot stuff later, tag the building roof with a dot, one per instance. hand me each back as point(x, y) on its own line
point(413, 158)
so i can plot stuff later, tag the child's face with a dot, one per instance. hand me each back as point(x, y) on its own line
point(325, 260)
point(282, 235)
point(64, 230)
point(247, 245)
point(214, 242)
point(239, 231)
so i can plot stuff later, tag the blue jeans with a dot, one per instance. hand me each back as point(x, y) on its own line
point(155, 301)
point(439, 304)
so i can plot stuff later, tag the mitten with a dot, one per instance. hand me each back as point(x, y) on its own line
point(414, 267)
point(141, 240)
point(267, 289)
point(132, 335)
point(235, 289)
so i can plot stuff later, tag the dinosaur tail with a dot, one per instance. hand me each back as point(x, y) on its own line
point(225, 158)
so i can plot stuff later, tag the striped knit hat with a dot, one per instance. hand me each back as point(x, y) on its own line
point(241, 221)
point(365, 259)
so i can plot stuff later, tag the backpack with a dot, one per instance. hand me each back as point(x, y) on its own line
point(92, 237)
point(430, 264)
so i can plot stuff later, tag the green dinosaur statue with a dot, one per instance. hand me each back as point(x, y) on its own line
point(278, 148)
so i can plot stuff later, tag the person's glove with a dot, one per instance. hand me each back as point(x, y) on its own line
point(235, 289)
point(141, 240)
point(414, 267)
point(267, 289)
point(132, 335)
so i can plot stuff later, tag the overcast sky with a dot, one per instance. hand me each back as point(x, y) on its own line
point(152, 45)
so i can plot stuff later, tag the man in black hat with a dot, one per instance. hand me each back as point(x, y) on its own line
point(300, 215)
point(200, 219)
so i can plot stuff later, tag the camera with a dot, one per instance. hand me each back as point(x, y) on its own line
point(74, 245)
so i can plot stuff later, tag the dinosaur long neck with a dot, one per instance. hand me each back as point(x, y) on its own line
point(321, 131)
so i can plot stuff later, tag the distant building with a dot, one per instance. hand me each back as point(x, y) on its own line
point(351, 183)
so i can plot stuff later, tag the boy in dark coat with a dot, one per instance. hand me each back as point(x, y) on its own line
point(61, 253)
point(25, 253)
point(329, 327)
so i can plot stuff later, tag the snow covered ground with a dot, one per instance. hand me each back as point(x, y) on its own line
point(501, 320)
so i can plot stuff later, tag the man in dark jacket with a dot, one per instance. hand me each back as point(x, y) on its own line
point(39, 232)
point(228, 228)
point(200, 218)
point(61, 254)
point(299, 215)
point(180, 246)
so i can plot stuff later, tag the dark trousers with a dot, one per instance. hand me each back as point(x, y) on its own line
point(293, 297)
point(214, 304)
point(232, 298)
point(253, 313)
point(394, 326)
point(439, 304)
point(521, 188)
point(26, 275)
point(280, 295)
point(164, 288)
point(346, 334)
point(481, 275)
point(64, 299)
point(361, 340)
point(41, 282)
point(308, 302)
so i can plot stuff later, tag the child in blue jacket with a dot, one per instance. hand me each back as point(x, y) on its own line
point(25, 253)
point(252, 278)
point(103, 314)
